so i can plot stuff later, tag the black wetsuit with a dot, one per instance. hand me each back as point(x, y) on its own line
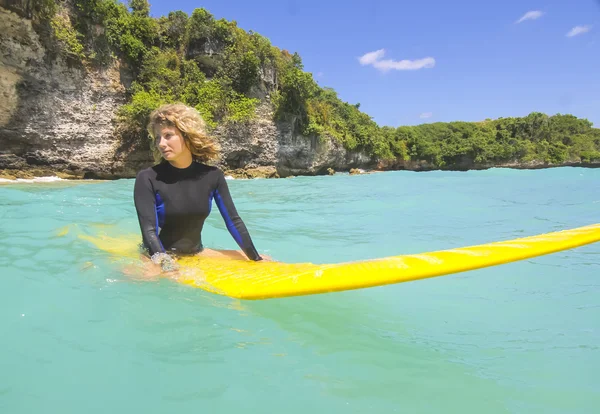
point(172, 205)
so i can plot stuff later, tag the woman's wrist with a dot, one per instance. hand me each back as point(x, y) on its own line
point(166, 262)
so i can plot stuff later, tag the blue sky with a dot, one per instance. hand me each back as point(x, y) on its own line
point(435, 60)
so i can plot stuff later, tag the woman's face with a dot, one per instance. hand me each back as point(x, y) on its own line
point(170, 143)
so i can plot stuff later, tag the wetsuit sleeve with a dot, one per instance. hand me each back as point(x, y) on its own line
point(234, 223)
point(145, 205)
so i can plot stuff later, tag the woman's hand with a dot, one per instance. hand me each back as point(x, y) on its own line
point(161, 265)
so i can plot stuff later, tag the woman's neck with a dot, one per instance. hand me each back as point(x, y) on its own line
point(184, 161)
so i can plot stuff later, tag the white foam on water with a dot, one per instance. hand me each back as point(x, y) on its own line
point(32, 180)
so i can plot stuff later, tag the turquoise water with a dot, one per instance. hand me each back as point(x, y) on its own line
point(78, 336)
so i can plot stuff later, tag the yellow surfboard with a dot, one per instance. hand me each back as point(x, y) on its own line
point(245, 279)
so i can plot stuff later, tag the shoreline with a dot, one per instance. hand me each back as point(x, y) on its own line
point(10, 176)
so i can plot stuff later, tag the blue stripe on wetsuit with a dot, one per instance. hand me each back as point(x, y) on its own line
point(230, 226)
point(160, 216)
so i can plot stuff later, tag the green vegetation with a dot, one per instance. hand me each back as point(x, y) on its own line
point(45, 9)
point(67, 36)
point(536, 137)
point(223, 70)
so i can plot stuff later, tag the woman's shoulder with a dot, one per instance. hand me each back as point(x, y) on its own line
point(148, 172)
point(210, 168)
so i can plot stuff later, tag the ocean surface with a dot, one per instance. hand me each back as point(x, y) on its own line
point(78, 336)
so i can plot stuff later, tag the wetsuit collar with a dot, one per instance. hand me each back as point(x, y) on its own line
point(181, 169)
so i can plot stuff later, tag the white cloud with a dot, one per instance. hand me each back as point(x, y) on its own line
point(388, 64)
point(530, 15)
point(577, 30)
point(371, 57)
point(374, 59)
point(425, 115)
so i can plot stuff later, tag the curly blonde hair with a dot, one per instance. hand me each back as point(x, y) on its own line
point(192, 127)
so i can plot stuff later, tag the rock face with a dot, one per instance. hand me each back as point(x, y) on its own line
point(55, 114)
point(58, 116)
point(263, 143)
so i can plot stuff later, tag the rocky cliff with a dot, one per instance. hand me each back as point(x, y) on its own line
point(57, 117)
point(79, 78)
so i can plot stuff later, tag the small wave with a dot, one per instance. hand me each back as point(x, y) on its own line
point(229, 177)
point(32, 180)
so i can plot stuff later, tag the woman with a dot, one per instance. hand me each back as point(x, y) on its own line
point(174, 198)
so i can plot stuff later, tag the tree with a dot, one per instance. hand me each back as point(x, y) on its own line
point(173, 29)
point(140, 8)
point(297, 61)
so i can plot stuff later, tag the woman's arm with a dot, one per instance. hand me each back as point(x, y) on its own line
point(145, 205)
point(234, 223)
